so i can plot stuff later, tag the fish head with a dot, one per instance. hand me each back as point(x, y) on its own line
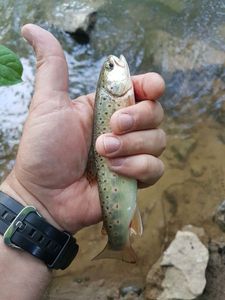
point(115, 75)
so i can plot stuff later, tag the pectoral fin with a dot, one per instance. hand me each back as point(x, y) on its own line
point(103, 231)
point(136, 226)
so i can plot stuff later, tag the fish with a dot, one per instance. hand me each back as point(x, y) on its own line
point(117, 193)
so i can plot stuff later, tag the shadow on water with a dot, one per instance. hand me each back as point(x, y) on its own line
point(184, 41)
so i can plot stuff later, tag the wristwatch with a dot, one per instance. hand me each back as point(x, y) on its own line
point(24, 228)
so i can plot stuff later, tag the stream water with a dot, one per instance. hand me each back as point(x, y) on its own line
point(184, 42)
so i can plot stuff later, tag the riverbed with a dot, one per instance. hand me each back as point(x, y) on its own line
point(184, 42)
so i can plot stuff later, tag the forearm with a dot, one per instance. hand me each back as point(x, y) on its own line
point(22, 276)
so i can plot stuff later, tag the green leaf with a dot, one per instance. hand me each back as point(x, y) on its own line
point(11, 68)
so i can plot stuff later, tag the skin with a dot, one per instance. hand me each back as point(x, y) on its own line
point(49, 172)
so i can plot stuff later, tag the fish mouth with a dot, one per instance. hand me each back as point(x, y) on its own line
point(120, 61)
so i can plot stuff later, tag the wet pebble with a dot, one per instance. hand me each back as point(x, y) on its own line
point(197, 170)
point(131, 290)
point(219, 216)
point(81, 279)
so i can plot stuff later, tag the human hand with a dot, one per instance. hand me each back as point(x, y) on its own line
point(49, 172)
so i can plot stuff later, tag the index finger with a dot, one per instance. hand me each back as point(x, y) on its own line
point(149, 86)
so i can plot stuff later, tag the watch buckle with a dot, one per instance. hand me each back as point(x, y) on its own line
point(16, 224)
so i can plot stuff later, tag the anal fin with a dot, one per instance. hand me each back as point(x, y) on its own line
point(136, 226)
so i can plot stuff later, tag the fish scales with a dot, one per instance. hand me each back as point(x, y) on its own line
point(117, 193)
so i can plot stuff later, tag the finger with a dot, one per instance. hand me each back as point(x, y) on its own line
point(143, 115)
point(148, 86)
point(146, 169)
point(151, 142)
point(51, 73)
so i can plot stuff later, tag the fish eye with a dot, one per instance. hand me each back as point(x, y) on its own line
point(110, 66)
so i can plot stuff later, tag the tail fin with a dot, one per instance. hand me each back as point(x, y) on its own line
point(126, 254)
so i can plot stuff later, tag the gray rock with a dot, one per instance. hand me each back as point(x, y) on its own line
point(130, 289)
point(219, 216)
point(173, 53)
point(154, 281)
point(185, 261)
point(215, 274)
point(76, 17)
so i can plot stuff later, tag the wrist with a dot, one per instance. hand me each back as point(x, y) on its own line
point(28, 228)
point(12, 187)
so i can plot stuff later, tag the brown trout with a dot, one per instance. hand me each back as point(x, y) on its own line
point(117, 193)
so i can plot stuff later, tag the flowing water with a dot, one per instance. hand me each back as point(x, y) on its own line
point(184, 42)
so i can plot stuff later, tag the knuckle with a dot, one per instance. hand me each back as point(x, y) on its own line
point(161, 168)
point(145, 167)
point(162, 139)
point(131, 144)
point(151, 169)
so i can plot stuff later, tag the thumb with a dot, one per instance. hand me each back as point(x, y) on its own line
point(52, 72)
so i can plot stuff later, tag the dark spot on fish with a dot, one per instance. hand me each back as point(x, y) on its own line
point(117, 222)
point(110, 226)
point(117, 206)
point(115, 190)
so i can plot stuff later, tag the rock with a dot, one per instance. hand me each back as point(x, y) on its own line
point(174, 53)
point(154, 280)
point(200, 232)
point(197, 170)
point(76, 17)
point(180, 274)
point(219, 216)
point(215, 273)
point(182, 150)
point(186, 260)
point(130, 289)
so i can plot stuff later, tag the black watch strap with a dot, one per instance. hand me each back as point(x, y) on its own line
point(24, 228)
